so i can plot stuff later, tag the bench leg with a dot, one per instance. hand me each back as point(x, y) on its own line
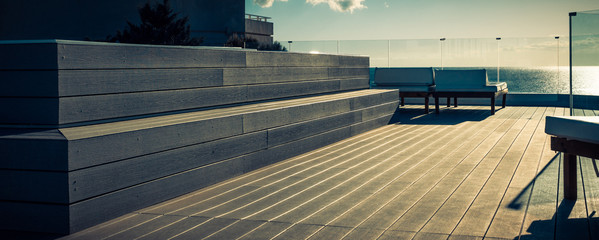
point(455, 101)
point(570, 176)
point(402, 101)
point(492, 105)
point(448, 101)
point(436, 104)
point(426, 105)
point(503, 103)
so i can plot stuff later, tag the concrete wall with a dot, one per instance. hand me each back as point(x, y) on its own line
point(259, 30)
point(77, 20)
point(92, 131)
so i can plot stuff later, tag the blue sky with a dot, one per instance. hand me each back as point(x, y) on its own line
point(301, 20)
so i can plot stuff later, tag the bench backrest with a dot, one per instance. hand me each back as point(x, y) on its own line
point(462, 79)
point(404, 76)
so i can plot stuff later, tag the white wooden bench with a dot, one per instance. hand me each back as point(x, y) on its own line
point(467, 84)
point(412, 82)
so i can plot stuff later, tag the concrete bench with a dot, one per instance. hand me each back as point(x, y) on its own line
point(467, 84)
point(574, 136)
point(92, 131)
point(411, 82)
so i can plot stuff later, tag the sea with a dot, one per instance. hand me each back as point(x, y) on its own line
point(543, 79)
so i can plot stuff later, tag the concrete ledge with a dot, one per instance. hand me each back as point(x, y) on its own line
point(97, 194)
point(65, 54)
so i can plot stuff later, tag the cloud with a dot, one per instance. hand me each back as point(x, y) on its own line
point(341, 5)
point(266, 3)
point(386, 5)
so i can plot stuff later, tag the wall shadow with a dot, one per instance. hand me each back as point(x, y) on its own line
point(447, 116)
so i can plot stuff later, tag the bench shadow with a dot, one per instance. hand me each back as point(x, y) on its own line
point(542, 190)
point(447, 116)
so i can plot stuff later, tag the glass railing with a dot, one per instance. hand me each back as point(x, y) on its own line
point(584, 63)
point(528, 65)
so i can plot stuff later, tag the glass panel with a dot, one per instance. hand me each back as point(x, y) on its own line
point(585, 60)
point(528, 65)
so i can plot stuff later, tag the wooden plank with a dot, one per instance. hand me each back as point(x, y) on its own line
point(509, 218)
point(482, 164)
point(143, 228)
point(571, 215)
point(479, 216)
point(591, 186)
point(266, 231)
point(405, 198)
point(169, 230)
point(236, 230)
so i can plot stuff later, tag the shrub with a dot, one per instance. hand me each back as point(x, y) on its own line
point(159, 25)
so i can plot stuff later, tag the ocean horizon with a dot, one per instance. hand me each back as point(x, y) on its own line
point(541, 79)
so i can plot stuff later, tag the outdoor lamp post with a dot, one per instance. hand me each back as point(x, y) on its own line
point(498, 58)
point(442, 40)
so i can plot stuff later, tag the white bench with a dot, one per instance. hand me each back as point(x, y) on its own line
point(412, 82)
point(467, 84)
point(574, 136)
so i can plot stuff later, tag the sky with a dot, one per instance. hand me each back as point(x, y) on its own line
point(303, 20)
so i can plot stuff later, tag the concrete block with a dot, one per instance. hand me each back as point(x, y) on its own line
point(34, 217)
point(240, 76)
point(92, 211)
point(61, 83)
point(34, 186)
point(372, 124)
point(66, 54)
point(354, 61)
point(106, 178)
point(288, 59)
point(292, 149)
point(29, 83)
point(99, 107)
point(25, 111)
point(382, 96)
point(346, 72)
point(354, 84)
point(91, 82)
point(379, 110)
point(94, 150)
point(255, 121)
point(288, 133)
point(282, 90)
point(94, 55)
point(33, 149)
point(38, 55)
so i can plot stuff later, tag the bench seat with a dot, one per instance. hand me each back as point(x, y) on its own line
point(411, 82)
point(573, 136)
point(467, 84)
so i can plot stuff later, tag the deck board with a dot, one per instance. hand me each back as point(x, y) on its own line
point(462, 174)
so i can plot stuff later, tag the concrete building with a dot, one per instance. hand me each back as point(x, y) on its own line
point(79, 20)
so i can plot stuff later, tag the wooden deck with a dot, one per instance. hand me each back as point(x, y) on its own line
point(462, 174)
